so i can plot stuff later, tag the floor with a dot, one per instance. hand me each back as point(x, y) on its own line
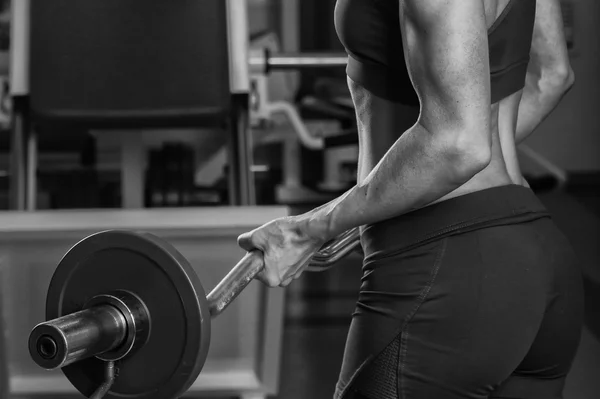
point(319, 306)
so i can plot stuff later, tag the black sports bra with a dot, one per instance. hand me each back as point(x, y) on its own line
point(370, 32)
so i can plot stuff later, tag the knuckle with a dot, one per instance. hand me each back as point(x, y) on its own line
point(255, 237)
point(270, 278)
point(272, 281)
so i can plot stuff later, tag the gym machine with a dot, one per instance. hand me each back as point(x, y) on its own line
point(128, 81)
point(291, 190)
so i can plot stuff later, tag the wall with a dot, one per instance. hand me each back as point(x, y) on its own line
point(570, 137)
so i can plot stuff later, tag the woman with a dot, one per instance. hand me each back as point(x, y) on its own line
point(469, 289)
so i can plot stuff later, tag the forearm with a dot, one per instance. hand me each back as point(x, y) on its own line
point(538, 101)
point(417, 170)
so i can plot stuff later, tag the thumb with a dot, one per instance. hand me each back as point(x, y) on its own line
point(249, 241)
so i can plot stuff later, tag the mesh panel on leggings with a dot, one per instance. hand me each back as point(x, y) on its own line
point(379, 380)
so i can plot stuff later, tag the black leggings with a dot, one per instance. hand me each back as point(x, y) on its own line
point(479, 296)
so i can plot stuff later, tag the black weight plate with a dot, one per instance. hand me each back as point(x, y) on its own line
point(141, 263)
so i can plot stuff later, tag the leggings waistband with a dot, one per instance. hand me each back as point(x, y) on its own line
point(509, 204)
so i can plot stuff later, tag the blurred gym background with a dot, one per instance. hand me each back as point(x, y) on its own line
point(77, 167)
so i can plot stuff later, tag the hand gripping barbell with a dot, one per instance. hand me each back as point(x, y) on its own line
point(128, 316)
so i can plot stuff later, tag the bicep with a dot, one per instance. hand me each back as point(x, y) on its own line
point(549, 53)
point(446, 52)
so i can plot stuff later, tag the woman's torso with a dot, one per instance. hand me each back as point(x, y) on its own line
point(381, 120)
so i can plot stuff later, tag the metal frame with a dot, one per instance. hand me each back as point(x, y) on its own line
point(241, 182)
point(237, 27)
point(19, 48)
point(290, 32)
point(23, 140)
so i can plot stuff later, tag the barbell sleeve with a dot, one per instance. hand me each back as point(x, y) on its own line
point(77, 336)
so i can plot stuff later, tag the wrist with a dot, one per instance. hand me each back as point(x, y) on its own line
point(316, 225)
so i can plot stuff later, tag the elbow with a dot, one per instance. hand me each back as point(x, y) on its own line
point(569, 78)
point(469, 157)
point(558, 80)
point(473, 161)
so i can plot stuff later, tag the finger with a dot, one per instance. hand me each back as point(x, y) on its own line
point(301, 270)
point(287, 282)
point(267, 278)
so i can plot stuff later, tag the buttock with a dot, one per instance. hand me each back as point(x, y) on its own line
point(473, 314)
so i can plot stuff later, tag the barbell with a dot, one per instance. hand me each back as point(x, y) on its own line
point(128, 316)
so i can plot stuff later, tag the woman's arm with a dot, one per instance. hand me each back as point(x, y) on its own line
point(446, 51)
point(549, 76)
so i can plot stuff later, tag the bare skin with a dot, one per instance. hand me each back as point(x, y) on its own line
point(380, 120)
point(456, 143)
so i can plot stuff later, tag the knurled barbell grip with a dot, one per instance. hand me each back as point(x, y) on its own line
point(234, 282)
